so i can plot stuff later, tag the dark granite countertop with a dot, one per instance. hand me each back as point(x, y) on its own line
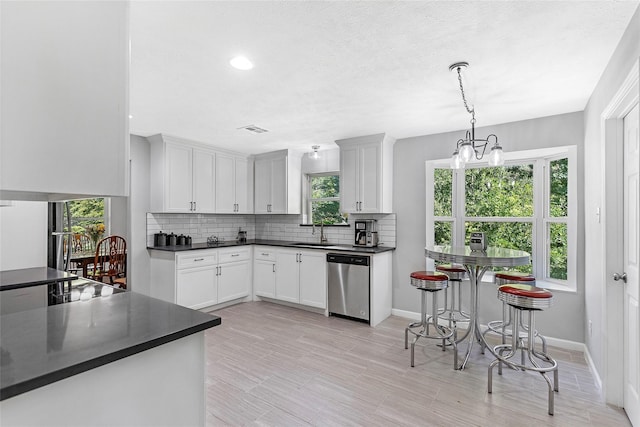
point(25, 277)
point(48, 344)
point(284, 243)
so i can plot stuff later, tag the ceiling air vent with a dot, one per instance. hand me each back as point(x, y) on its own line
point(254, 129)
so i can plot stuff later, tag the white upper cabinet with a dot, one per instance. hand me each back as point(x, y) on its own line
point(65, 104)
point(182, 176)
point(233, 175)
point(191, 177)
point(366, 173)
point(278, 183)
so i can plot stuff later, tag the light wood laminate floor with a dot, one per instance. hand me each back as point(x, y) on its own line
point(269, 364)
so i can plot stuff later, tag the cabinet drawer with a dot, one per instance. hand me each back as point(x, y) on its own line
point(198, 259)
point(234, 254)
point(264, 253)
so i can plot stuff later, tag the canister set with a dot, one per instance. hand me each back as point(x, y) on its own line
point(164, 239)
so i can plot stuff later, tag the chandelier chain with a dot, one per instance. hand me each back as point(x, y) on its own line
point(464, 98)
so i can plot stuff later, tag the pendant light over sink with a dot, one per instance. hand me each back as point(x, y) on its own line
point(471, 147)
point(314, 155)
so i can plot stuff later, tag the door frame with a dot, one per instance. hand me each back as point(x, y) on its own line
point(611, 150)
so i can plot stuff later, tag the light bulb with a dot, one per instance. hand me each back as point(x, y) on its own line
point(496, 157)
point(241, 63)
point(466, 151)
point(456, 161)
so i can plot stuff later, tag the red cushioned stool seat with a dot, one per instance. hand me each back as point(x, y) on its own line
point(453, 272)
point(429, 280)
point(505, 277)
point(525, 296)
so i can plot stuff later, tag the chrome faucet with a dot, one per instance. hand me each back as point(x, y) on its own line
point(323, 238)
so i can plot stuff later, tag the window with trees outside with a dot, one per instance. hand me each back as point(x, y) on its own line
point(88, 217)
point(323, 199)
point(527, 204)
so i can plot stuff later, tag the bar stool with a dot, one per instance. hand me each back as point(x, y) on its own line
point(529, 299)
point(429, 282)
point(499, 327)
point(452, 309)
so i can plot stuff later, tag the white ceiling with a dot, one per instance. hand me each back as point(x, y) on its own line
point(332, 70)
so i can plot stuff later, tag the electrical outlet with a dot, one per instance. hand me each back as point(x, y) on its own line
point(590, 328)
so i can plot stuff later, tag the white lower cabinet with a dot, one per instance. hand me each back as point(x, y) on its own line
point(195, 287)
point(201, 278)
point(264, 272)
point(234, 273)
point(301, 277)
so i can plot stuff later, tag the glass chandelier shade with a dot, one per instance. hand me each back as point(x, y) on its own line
point(496, 156)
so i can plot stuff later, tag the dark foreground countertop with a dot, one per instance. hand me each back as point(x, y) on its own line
point(45, 345)
point(284, 243)
point(25, 277)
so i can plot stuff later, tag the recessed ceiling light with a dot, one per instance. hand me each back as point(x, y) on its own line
point(241, 63)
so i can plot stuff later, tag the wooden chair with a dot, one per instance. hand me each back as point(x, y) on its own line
point(81, 243)
point(81, 247)
point(111, 261)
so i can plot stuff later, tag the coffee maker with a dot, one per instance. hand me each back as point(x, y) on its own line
point(366, 234)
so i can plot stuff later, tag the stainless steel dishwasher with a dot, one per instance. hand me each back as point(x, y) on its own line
point(348, 277)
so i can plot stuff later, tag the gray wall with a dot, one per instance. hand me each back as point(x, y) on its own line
point(565, 319)
point(623, 59)
point(138, 274)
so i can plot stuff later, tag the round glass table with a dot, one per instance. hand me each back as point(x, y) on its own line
point(476, 263)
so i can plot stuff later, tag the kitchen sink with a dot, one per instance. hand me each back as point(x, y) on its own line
point(313, 244)
point(318, 245)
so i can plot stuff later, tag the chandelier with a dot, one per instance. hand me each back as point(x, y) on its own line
point(471, 147)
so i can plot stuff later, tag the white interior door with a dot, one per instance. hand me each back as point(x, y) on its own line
point(631, 258)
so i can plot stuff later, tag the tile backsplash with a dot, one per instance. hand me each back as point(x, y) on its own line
point(270, 227)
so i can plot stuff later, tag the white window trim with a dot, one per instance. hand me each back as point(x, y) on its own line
point(539, 158)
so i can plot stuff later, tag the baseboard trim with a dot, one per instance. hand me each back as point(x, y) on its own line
point(592, 368)
point(555, 342)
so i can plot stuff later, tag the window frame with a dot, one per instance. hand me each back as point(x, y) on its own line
point(541, 219)
point(308, 199)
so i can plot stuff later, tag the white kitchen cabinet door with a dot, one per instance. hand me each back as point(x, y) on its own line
point(287, 276)
point(313, 279)
point(264, 278)
point(178, 178)
point(369, 178)
point(279, 195)
point(262, 187)
point(196, 287)
point(225, 184)
point(278, 183)
point(203, 178)
point(233, 280)
point(349, 179)
point(244, 197)
point(366, 171)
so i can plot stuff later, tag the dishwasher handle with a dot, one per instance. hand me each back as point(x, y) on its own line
point(362, 260)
